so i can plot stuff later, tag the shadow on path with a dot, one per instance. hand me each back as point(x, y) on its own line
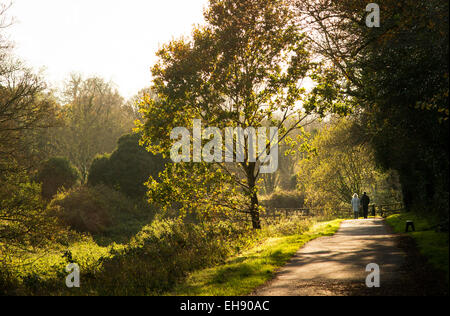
point(336, 265)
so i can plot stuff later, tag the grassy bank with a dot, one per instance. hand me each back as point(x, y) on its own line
point(167, 257)
point(432, 244)
point(240, 275)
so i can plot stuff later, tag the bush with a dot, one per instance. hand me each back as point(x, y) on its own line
point(56, 173)
point(127, 168)
point(101, 211)
point(163, 253)
point(24, 222)
point(287, 226)
point(100, 171)
point(284, 199)
point(82, 209)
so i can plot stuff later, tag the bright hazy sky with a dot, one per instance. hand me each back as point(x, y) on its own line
point(114, 39)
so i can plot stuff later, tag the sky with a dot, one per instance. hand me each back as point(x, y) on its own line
point(113, 39)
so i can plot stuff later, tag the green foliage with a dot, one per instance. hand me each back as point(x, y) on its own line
point(83, 209)
point(287, 226)
point(327, 95)
point(158, 257)
point(22, 215)
point(284, 178)
point(26, 108)
point(106, 213)
point(397, 76)
point(163, 253)
point(24, 222)
point(241, 69)
point(93, 118)
point(339, 165)
point(100, 171)
point(284, 199)
point(127, 168)
point(102, 211)
point(43, 273)
point(55, 174)
point(405, 69)
point(201, 189)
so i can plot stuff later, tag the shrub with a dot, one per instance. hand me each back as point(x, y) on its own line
point(127, 168)
point(82, 210)
point(101, 210)
point(100, 171)
point(24, 222)
point(284, 199)
point(56, 173)
point(287, 226)
point(89, 209)
point(164, 252)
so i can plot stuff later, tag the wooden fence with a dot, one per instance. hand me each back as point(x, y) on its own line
point(382, 210)
point(385, 210)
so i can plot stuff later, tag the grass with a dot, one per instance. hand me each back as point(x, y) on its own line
point(47, 265)
point(242, 274)
point(433, 245)
point(253, 259)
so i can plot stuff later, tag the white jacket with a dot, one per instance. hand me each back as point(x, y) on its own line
point(355, 204)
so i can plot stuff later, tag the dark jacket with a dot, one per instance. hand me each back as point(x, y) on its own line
point(365, 200)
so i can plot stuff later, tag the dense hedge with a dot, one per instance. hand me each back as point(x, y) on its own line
point(83, 209)
point(96, 210)
point(127, 168)
point(56, 173)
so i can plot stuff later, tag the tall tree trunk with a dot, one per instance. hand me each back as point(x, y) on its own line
point(254, 211)
point(254, 204)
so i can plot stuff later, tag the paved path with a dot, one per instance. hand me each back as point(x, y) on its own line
point(333, 265)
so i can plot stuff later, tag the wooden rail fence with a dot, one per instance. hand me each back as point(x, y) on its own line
point(382, 210)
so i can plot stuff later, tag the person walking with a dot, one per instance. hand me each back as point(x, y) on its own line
point(355, 205)
point(365, 200)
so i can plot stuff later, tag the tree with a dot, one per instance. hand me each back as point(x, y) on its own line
point(94, 118)
point(244, 68)
point(127, 168)
point(56, 173)
point(397, 74)
point(26, 107)
point(284, 178)
point(339, 165)
point(132, 104)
